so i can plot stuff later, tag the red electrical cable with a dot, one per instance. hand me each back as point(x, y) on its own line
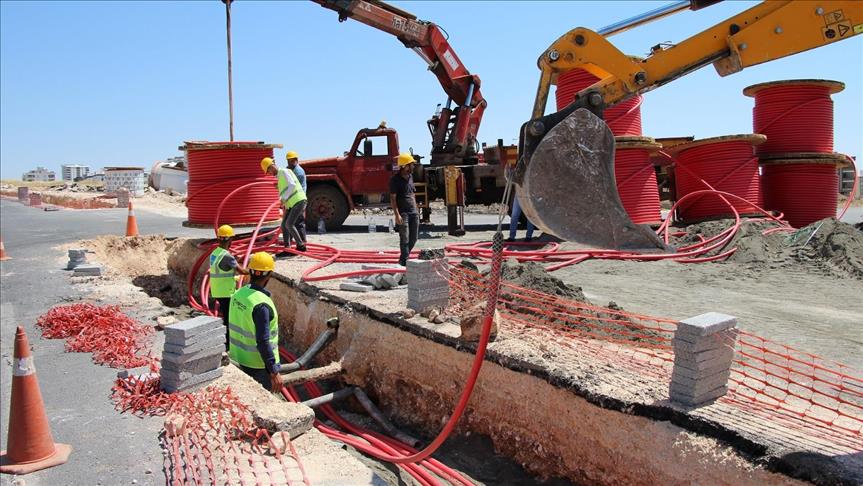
point(804, 192)
point(728, 166)
point(214, 173)
point(623, 118)
point(636, 184)
point(794, 117)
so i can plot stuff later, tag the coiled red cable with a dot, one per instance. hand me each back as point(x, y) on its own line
point(624, 118)
point(636, 184)
point(794, 117)
point(804, 192)
point(729, 166)
point(215, 173)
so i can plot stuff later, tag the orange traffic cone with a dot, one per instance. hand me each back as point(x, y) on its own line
point(131, 222)
point(31, 446)
point(3, 255)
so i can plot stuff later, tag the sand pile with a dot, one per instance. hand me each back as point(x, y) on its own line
point(133, 257)
point(827, 246)
point(532, 275)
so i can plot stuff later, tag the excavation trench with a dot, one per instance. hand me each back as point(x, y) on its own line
point(546, 422)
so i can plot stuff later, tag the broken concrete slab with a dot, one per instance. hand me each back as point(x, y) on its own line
point(183, 331)
point(355, 287)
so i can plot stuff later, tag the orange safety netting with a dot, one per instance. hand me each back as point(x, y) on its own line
point(210, 436)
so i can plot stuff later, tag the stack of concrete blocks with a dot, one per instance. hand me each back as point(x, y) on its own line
point(122, 197)
point(35, 199)
point(193, 353)
point(77, 256)
point(24, 195)
point(703, 353)
point(428, 285)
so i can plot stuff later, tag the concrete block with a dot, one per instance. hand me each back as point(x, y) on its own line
point(87, 270)
point(697, 400)
point(696, 373)
point(182, 331)
point(690, 344)
point(428, 294)
point(702, 366)
point(724, 352)
point(424, 278)
point(195, 366)
point(184, 358)
point(24, 194)
point(172, 385)
point(209, 335)
point(701, 384)
point(215, 339)
point(706, 324)
point(356, 286)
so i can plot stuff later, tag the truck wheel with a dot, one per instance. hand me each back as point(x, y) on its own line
point(326, 202)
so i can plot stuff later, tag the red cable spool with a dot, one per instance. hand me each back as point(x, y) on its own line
point(726, 163)
point(216, 169)
point(803, 189)
point(795, 115)
point(624, 118)
point(636, 179)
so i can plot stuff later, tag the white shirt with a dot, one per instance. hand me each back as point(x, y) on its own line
point(291, 186)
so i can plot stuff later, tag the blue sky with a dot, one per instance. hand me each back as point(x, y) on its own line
point(115, 83)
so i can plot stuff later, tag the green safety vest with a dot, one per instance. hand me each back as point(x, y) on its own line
point(241, 327)
point(298, 195)
point(222, 283)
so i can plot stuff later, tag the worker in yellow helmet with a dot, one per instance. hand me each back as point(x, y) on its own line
point(253, 328)
point(293, 198)
point(223, 270)
point(404, 203)
point(294, 164)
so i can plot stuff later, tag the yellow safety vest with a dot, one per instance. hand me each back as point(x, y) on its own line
point(222, 283)
point(298, 195)
point(241, 327)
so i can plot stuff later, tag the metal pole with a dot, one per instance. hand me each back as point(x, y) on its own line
point(230, 81)
point(644, 18)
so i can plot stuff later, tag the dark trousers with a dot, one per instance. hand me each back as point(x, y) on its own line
point(259, 375)
point(408, 231)
point(289, 224)
point(224, 307)
point(301, 225)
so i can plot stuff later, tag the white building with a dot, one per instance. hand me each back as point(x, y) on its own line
point(40, 174)
point(72, 172)
point(132, 178)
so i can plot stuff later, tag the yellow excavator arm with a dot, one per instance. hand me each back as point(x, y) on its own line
point(576, 149)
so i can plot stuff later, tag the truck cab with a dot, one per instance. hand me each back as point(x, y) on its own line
point(360, 177)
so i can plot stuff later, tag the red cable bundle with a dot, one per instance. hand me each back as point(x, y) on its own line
point(722, 164)
point(795, 115)
point(636, 184)
point(216, 169)
point(805, 192)
point(623, 118)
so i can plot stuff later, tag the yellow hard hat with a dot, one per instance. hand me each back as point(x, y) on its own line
point(405, 159)
point(266, 162)
point(225, 231)
point(291, 155)
point(262, 262)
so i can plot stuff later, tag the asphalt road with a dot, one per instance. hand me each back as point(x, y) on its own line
point(108, 447)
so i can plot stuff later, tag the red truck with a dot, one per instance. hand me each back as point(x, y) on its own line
point(360, 178)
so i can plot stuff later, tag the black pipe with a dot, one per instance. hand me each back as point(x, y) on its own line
point(329, 397)
point(385, 424)
point(323, 339)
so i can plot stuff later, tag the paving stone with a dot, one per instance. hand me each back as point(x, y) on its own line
point(209, 335)
point(706, 324)
point(719, 339)
point(88, 270)
point(429, 294)
point(206, 365)
point(184, 358)
point(700, 373)
point(415, 265)
point(197, 366)
point(697, 400)
point(702, 383)
point(724, 352)
point(170, 385)
point(356, 287)
point(183, 332)
point(216, 339)
point(703, 366)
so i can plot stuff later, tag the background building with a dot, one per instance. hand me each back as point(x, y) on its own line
point(132, 178)
point(71, 172)
point(40, 174)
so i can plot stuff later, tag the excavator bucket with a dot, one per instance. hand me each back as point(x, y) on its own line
point(568, 188)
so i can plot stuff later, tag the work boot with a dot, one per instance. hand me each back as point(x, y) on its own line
point(301, 248)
